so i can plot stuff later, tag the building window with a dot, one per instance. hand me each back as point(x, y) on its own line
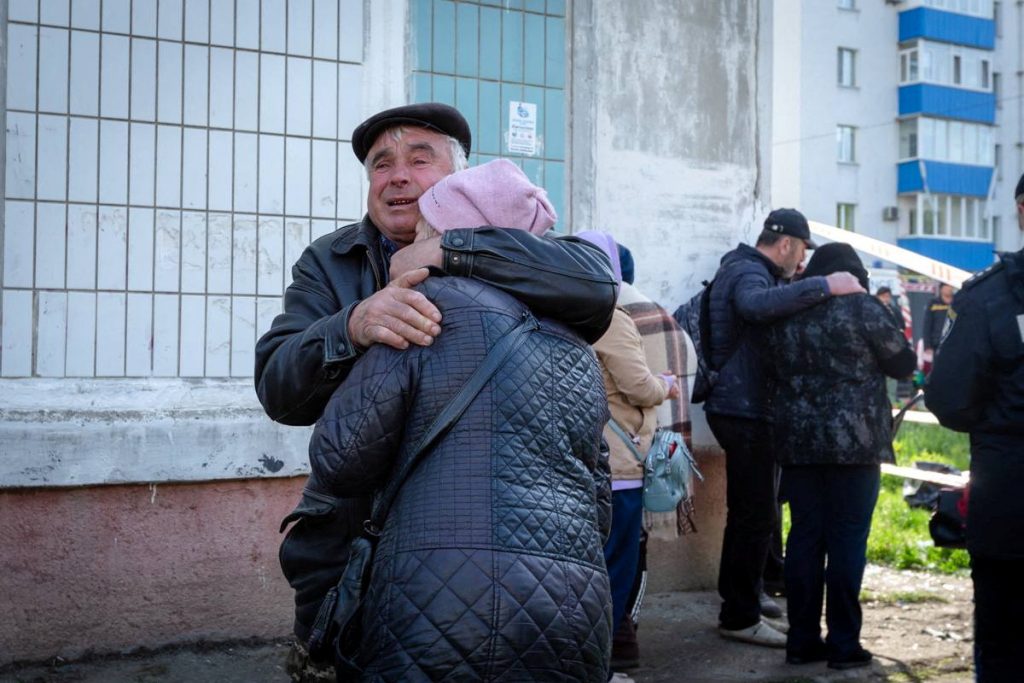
point(956, 142)
point(844, 216)
point(997, 82)
point(908, 139)
point(847, 76)
point(997, 18)
point(847, 4)
point(846, 142)
point(945, 64)
point(481, 59)
point(997, 160)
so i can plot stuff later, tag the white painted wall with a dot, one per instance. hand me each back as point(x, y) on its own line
point(675, 98)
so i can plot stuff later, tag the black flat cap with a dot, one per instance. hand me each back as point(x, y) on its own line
point(790, 222)
point(433, 115)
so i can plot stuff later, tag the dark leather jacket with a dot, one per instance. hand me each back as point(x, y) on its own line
point(490, 564)
point(306, 353)
point(977, 386)
point(747, 293)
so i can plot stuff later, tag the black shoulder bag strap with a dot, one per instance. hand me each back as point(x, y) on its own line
point(494, 359)
point(343, 603)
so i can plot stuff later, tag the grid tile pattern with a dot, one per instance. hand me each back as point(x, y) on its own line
point(167, 160)
point(480, 55)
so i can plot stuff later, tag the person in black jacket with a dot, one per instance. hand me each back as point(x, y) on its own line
point(489, 565)
point(746, 295)
point(977, 386)
point(354, 288)
point(934, 323)
point(833, 427)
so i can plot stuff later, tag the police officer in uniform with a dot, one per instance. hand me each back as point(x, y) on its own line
point(977, 386)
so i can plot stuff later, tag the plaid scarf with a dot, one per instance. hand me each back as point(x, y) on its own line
point(665, 346)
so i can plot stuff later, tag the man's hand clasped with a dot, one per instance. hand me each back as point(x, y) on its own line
point(396, 315)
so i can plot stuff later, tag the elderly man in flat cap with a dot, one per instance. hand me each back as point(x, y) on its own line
point(352, 289)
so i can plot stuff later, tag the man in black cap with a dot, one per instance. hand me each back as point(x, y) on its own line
point(977, 386)
point(748, 293)
point(353, 288)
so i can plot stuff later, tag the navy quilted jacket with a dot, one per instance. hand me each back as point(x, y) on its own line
point(490, 566)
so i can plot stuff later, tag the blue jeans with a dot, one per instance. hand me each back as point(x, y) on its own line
point(831, 507)
point(622, 549)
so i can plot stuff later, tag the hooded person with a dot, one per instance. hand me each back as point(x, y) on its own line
point(634, 392)
point(833, 428)
point(490, 557)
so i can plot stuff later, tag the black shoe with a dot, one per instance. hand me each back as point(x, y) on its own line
point(859, 657)
point(809, 655)
point(769, 608)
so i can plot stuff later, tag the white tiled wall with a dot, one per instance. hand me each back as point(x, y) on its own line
point(167, 161)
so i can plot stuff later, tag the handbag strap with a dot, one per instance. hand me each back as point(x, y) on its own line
point(617, 428)
point(452, 411)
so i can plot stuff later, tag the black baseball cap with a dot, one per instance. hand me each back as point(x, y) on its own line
point(790, 222)
point(1018, 194)
point(433, 115)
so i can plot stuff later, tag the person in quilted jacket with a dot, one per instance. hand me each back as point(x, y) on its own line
point(634, 393)
point(833, 427)
point(489, 564)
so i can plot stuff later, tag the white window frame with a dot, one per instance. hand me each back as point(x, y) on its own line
point(846, 216)
point(846, 67)
point(846, 144)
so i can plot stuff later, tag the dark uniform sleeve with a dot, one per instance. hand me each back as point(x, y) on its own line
point(961, 378)
point(565, 279)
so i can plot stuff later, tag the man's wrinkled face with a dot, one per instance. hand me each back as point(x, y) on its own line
point(399, 171)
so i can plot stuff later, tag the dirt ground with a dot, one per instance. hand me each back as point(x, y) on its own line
point(917, 624)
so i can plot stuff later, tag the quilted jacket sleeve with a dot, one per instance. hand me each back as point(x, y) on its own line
point(758, 300)
point(355, 443)
point(307, 351)
point(565, 279)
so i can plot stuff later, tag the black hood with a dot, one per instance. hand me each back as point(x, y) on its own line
point(836, 257)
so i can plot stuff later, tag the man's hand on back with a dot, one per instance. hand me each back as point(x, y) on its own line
point(419, 254)
point(843, 283)
point(396, 315)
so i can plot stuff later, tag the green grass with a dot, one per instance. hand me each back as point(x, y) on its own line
point(899, 534)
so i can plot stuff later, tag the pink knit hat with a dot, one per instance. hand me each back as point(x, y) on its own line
point(497, 193)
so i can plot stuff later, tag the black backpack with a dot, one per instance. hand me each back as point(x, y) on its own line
point(695, 318)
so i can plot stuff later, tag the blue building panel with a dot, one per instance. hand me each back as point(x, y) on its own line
point(948, 103)
point(943, 178)
point(947, 27)
point(965, 254)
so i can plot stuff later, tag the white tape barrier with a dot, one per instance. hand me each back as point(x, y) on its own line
point(942, 479)
point(937, 270)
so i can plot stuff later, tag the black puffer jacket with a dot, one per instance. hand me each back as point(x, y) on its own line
point(490, 565)
point(307, 353)
point(830, 362)
point(746, 295)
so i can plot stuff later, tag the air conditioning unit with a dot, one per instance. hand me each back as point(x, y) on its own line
point(890, 213)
